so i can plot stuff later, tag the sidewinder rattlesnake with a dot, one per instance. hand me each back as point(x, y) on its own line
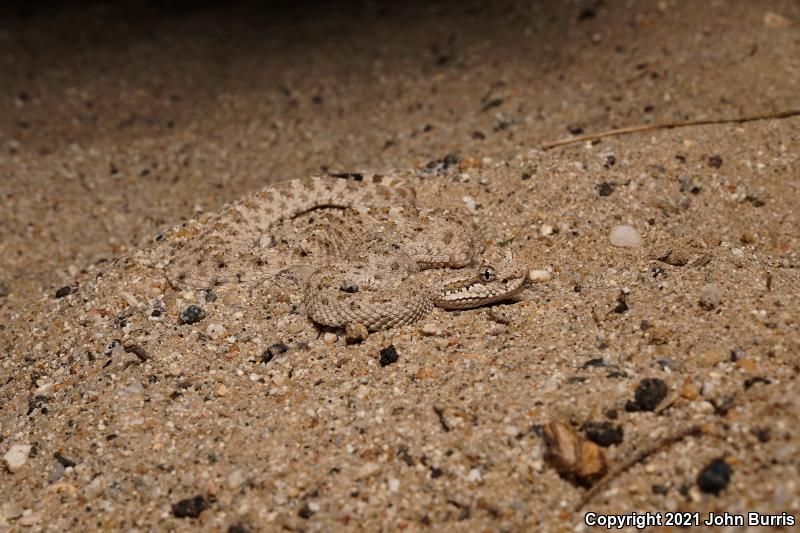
point(375, 281)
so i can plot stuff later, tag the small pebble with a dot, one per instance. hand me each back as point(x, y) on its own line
point(394, 485)
point(355, 333)
point(273, 351)
point(189, 507)
point(368, 470)
point(470, 202)
point(30, 518)
point(603, 433)
point(221, 391)
point(474, 475)
point(389, 355)
point(605, 188)
point(430, 329)
point(44, 390)
point(710, 296)
point(539, 276)
point(192, 314)
point(714, 477)
point(546, 230)
point(63, 291)
point(625, 237)
point(17, 456)
point(234, 479)
point(776, 20)
point(4, 290)
point(649, 393)
point(330, 338)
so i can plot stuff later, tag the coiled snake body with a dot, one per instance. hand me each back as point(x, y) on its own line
point(375, 282)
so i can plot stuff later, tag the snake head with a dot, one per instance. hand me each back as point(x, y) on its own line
point(490, 282)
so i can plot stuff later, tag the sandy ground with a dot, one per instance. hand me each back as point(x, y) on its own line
point(119, 122)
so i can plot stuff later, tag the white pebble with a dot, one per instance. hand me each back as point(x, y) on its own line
point(329, 338)
point(394, 485)
point(368, 470)
point(546, 230)
point(539, 276)
point(470, 202)
point(234, 479)
point(430, 328)
point(17, 456)
point(474, 475)
point(626, 237)
point(45, 390)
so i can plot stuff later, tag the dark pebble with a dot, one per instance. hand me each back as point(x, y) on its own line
point(478, 135)
point(192, 314)
point(649, 393)
point(622, 304)
point(4, 290)
point(715, 161)
point(210, 296)
point(749, 382)
point(715, 476)
point(305, 512)
point(605, 188)
point(63, 460)
point(273, 351)
point(494, 102)
point(594, 363)
point(237, 528)
point(575, 130)
point(63, 291)
point(189, 507)
point(389, 355)
point(660, 489)
point(450, 159)
point(762, 434)
point(136, 350)
point(603, 433)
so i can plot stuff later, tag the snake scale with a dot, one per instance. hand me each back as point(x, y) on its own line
point(374, 281)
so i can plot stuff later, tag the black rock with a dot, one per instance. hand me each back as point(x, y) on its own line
point(389, 355)
point(305, 512)
point(192, 314)
point(63, 460)
point(189, 507)
point(63, 291)
point(660, 489)
point(273, 351)
point(593, 363)
point(649, 393)
point(603, 433)
point(715, 161)
point(715, 476)
point(605, 188)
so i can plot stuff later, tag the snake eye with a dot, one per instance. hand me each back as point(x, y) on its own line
point(486, 273)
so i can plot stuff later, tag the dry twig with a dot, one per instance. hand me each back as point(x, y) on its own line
point(668, 126)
